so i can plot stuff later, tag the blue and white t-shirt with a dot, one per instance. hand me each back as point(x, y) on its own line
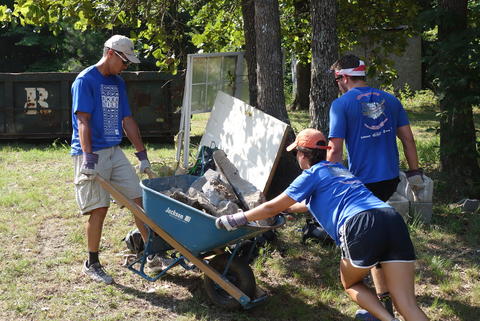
point(105, 98)
point(333, 195)
point(368, 118)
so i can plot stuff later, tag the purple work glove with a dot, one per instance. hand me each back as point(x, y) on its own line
point(89, 162)
point(231, 222)
point(143, 158)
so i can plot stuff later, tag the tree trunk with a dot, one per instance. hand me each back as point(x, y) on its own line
point(324, 54)
point(271, 97)
point(458, 152)
point(302, 88)
point(248, 12)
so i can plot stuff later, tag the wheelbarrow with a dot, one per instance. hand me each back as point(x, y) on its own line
point(228, 280)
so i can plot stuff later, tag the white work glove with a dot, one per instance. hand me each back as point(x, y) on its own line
point(144, 162)
point(88, 164)
point(231, 222)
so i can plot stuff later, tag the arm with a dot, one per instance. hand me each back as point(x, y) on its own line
point(85, 135)
point(266, 210)
point(84, 131)
point(405, 135)
point(270, 208)
point(297, 208)
point(133, 133)
point(335, 154)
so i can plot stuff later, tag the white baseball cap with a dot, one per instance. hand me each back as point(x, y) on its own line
point(124, 45)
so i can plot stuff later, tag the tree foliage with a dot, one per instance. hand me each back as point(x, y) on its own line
point(217, 26)
point(167, 30)
point(159, 27)
point(380, 28)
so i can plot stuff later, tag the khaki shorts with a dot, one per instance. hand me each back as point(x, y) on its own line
point(112, 165)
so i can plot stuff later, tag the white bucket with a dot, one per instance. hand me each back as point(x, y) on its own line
point(423, 195)
point(400, 204)
point(420, 201)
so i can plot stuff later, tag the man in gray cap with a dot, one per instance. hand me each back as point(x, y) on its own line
point(100, 115)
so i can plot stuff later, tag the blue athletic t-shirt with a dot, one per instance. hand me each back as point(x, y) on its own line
point(333, 195)
point(105, 98)
point(367, 119)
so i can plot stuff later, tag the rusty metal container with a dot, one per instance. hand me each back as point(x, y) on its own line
point(38, 105)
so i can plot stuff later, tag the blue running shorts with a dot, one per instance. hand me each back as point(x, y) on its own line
point(376, 236)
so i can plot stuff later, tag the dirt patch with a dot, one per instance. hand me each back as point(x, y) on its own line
point(51, 237)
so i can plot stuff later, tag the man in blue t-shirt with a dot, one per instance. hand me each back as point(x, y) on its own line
point(360, 223)
point(369, 120)
point(100, 115)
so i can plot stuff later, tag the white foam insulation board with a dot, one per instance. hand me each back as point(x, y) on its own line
point(252, 139)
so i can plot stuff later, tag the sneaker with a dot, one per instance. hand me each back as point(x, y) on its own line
point(157, 263)
point(364, 315)
point(97, 273)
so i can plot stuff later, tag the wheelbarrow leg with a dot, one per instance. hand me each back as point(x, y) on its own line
point(139, 213)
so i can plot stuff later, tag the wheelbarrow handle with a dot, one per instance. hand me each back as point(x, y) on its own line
point(204, 267)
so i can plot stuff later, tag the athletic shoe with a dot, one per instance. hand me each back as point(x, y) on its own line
point(97, 273)
point(157, 263)
point(364, 315)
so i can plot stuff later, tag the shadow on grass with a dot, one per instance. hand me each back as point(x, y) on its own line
point(422, 115)
point(459, 309)
point(283, 305)
point(280, 305)
point(461, 227)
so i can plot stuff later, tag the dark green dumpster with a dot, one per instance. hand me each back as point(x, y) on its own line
point(37, 105)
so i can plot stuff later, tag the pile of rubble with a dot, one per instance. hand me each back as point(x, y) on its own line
point(221, 191)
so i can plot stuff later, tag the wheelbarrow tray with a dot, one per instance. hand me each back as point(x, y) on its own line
point(194, 229)
point(179, 229)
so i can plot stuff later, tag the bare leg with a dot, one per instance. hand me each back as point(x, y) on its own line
point(381, 287)
point(379, 280)
point(94, 227)
point(352, 280)
point(400, 280)
point(140, 225)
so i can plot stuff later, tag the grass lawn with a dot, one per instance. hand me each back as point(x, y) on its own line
point(43, 247)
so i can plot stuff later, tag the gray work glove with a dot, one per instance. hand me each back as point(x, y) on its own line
point(231, 222)
point(144, 162)
point(88, 165)
point(416, 181)
point(415, 178)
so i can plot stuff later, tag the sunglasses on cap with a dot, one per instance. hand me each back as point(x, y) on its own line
point(125, 61)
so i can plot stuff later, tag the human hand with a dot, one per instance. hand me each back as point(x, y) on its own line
point(231, 222)
point(415, 178)
point(144, 162)
point(88, 165)
point(416, 182)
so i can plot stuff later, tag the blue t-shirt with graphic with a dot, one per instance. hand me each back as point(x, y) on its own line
point(333, 195)
point(367, 119)
point(105, 98)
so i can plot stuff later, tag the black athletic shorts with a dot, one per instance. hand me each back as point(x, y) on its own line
point(375, 236)
point(384, 189)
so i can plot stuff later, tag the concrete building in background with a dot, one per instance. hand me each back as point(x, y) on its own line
point(408, 65)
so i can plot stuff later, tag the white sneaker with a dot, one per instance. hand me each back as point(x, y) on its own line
point(157, 263)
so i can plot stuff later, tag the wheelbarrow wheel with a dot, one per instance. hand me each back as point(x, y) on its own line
point(239, 274)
